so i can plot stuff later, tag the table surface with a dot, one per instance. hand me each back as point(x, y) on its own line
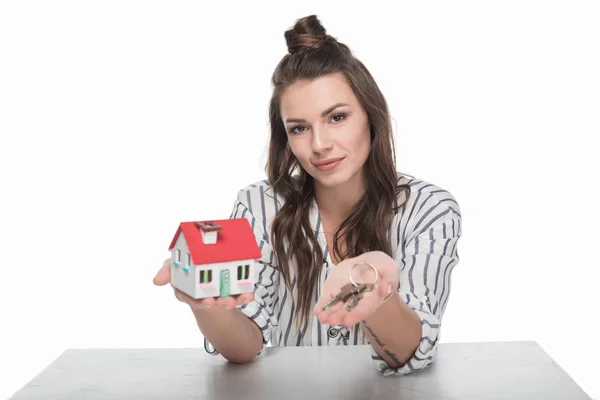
point(492, 370)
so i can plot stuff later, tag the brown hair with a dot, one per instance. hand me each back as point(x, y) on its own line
point(312, 54)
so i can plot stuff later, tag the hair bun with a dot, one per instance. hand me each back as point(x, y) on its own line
point(307, 33)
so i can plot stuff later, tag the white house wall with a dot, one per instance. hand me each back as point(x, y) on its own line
point(232, 266)
point(179, 278)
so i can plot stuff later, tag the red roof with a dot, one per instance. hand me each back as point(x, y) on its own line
point(235, 241)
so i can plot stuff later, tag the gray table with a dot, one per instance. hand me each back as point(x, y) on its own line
point(506, 370)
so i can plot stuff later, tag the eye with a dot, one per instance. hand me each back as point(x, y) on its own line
point(342, 115)
point(293, 130)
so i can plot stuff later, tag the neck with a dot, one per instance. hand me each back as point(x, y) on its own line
point(336, 203)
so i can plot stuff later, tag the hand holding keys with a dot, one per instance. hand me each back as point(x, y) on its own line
point(353, 291)
point(360, 298)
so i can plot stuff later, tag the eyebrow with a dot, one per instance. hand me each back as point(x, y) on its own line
point(323, 114)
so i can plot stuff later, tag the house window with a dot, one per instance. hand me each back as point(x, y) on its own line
point(177, 255)
point(243, 272)
point(189, 260)
point(206, 276)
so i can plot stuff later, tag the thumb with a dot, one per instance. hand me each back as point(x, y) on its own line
point(163, 276)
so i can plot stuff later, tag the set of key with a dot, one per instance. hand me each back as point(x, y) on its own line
point(352, 292)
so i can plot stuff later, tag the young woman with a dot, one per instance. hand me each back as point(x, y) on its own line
point(334, 210)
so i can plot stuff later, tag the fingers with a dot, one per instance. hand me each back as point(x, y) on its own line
point(332, 314)
point(229, 302)
point(332, 318)
point(207, 302)
point(245, 298)
point(325, 298)
point(385, 288)
point(163, 276)
point(361, 311)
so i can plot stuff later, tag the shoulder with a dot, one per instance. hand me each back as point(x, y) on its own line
point(259, 196)
point(260, 201)
point(426, 204)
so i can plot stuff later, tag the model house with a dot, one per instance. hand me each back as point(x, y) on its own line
point(214, 258)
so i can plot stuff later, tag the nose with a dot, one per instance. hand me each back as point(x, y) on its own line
point(321, 140)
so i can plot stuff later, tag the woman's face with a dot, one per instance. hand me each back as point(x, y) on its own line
point(327, 129)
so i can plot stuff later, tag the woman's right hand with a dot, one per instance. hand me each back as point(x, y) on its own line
point(164, 276)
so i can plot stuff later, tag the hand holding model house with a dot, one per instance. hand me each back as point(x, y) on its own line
point(212, 263)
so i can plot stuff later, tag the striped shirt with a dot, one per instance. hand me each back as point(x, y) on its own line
point(423, 240)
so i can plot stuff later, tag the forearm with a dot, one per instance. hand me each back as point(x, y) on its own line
point(394, 330)
point(235, 336)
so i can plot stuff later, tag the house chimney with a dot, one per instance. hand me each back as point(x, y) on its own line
point(209, 230)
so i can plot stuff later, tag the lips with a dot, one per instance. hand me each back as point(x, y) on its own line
point(327, 161)
point(329, 164)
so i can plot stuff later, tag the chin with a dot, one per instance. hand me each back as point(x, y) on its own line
point(328, 182)
point(331, 179)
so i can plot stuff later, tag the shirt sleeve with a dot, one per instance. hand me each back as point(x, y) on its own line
point(266, 275)
point(426, 261)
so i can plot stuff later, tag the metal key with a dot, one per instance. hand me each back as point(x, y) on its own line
point(346, 292)
point(362, 288)
point(349, 291)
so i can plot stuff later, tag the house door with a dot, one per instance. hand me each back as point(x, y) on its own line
point(225, 290)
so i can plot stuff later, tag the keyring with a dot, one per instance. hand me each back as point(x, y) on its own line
point(364, 262)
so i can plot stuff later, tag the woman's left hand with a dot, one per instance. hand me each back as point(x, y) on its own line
point(386, 281)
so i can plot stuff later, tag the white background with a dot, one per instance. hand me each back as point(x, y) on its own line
point(119, 119)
